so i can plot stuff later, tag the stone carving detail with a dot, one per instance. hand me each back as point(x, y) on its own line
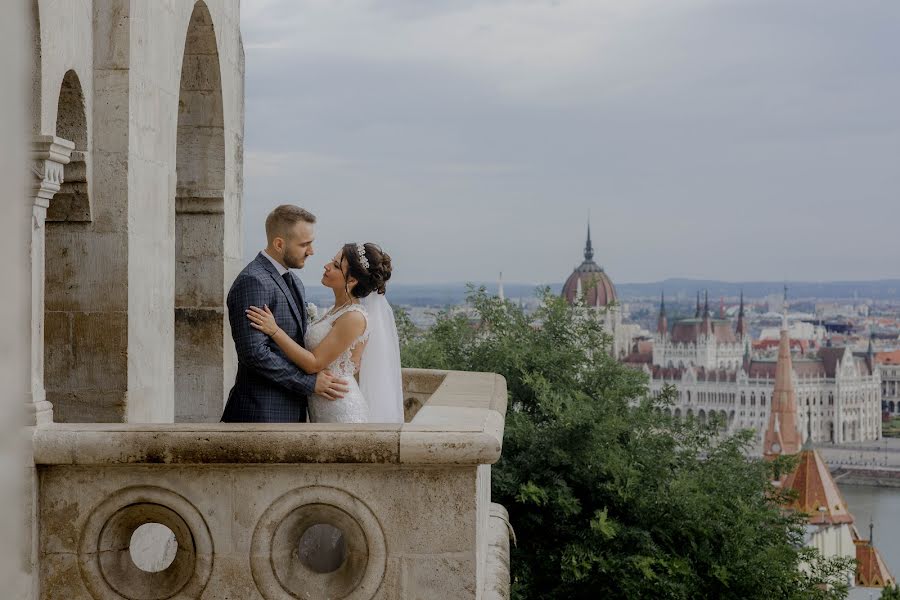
point(50, 155)
point(109, 572)
point(72, 202)
point(275, 563)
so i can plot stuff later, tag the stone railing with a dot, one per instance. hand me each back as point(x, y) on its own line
point(411, 502)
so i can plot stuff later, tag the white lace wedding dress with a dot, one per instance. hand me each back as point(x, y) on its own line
point(322, 546)
point(352, 408)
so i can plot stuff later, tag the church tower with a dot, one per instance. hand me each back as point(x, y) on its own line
point(782, 434)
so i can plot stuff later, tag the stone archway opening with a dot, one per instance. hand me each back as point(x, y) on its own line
point(199, 227)
point(81, 358)
point(71, 203)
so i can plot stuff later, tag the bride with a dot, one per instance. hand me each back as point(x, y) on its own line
point(357, 335)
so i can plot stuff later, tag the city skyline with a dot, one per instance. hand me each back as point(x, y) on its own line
point(739, 141)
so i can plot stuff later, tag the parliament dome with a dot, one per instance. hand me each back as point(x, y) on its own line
point(591, 280)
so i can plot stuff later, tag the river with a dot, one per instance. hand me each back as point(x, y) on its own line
point(882, 506)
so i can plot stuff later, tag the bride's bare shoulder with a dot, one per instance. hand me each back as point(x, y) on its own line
point(352, 320)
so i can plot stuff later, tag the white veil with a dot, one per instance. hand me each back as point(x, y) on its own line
point(379, 374)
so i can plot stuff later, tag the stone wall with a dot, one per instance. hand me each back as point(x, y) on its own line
point(128, 82)
point(412, 502)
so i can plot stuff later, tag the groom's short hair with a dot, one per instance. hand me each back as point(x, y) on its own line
point(280, 220)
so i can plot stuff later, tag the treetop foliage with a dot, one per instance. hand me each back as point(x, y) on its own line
point(609, 497)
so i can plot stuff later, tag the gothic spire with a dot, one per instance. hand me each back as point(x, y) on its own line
point(741, 327)
point(588, 248)
point(782, 435)
point(662, 323)
point(697, 312)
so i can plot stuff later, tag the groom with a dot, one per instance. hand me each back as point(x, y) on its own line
point(269, 388)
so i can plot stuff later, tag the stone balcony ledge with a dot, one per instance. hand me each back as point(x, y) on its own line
point(460, 421)
point(232, 502)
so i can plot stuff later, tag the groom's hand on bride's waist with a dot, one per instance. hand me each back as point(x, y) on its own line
point(331, 387)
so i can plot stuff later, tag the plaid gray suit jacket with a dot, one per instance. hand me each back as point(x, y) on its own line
point(269, 388)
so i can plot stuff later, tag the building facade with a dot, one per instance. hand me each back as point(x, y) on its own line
point(889, 368)
point(713, 368)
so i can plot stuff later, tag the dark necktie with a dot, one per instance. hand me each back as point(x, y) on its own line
point(289, 280)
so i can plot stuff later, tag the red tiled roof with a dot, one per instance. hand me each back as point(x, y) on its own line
point(830, 358)
point(687, 331)
point(817, 494)
point(871, 571)
point(645, 346)
point(639, 358)
point(762, 369)
point(801, 345)
point(888, 358)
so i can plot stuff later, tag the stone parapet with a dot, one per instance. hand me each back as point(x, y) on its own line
point(411, 500)
point(461, 423)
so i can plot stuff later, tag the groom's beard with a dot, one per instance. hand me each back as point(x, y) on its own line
point(294, 261)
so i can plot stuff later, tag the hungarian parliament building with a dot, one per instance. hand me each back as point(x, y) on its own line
point(710, 362)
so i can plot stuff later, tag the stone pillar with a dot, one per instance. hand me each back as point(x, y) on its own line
point(49, 156)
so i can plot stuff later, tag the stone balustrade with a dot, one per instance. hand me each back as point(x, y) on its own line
point(411, 502)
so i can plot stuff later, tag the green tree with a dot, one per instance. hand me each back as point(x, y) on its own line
point(890, 593)
point(610, 497)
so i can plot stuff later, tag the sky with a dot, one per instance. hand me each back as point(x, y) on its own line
point(722, 139)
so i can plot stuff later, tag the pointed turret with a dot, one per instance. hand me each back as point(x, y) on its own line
point(741, 327)
point(662, 323)
point(697, 312)
point(721, 307)
point(500, 287)
point(870, 351)
point(707, 323)
point(588, 247)
point(782, 435)
point(817, 495)
point(871, 570)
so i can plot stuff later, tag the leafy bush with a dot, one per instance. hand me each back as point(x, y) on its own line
point(609, 497)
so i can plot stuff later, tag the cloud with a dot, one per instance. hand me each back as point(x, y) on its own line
point(742, 140)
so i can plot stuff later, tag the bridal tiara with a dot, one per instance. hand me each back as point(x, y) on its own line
point(361, 251)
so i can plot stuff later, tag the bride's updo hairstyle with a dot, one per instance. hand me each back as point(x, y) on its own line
point(371, 279)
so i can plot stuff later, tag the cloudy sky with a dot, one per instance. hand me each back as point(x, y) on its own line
point(729, 139)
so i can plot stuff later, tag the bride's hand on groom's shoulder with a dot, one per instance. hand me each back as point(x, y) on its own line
point(331, 387)
point(262, 319)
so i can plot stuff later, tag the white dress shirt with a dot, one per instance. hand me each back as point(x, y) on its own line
point(281, 268)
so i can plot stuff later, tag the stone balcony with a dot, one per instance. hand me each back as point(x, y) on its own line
point(412, 502)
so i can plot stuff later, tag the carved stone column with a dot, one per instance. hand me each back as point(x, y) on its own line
point(49, 156)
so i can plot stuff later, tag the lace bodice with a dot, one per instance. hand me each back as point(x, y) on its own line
point(343, 365)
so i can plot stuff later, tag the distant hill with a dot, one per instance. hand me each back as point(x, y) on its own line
point(448, 294)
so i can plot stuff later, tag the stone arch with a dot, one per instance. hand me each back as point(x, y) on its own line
point(81, 357)
point(199, 226)
point(71, 203)
point(677, 413)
